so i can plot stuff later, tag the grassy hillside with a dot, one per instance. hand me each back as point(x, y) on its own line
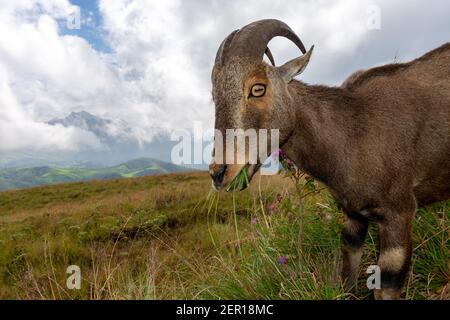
point(168, 236)
point(16, 178)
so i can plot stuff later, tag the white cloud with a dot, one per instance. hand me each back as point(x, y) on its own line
point(164, 86)
point(18, 130)
point(158, 74)
point(43, 74)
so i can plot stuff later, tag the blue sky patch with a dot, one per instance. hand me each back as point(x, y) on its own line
point(91, 25)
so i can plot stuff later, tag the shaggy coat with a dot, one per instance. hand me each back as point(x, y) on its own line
point(380, 142)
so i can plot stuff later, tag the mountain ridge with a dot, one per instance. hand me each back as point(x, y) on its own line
point(20, 178)
point(119, 142)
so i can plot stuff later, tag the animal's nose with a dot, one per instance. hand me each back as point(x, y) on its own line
point(217, 173)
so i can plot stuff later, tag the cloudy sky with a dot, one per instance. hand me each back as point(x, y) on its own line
point(149, 62)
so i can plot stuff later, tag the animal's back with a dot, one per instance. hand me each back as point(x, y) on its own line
point(432, 66)
point(411, 102)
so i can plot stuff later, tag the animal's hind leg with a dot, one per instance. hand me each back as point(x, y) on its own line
point(353, 235)
point(395, 254)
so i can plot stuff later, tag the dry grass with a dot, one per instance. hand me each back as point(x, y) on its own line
point(169, 237)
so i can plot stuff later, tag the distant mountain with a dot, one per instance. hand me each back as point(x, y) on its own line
point(22, 159)
point(116, 136)
point(109, 132)
point(17, 178)
point(119, 144)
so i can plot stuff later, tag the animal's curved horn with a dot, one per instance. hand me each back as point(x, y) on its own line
point(270, 56)
point(221, 53)
point(252, 39)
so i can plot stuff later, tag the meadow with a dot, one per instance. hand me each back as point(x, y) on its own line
point(170, 237)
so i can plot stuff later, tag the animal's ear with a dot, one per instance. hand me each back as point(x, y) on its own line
point(295, 67)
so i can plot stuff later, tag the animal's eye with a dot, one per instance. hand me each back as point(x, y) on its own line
point(258, 90)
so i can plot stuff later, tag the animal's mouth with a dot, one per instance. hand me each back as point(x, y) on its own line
point(242, 179)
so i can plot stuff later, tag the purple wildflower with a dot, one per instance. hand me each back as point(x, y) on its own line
point(282, 260)
point(253, 221)
point(277, 154)
point(272, 207)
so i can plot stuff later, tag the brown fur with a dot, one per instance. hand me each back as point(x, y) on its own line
point(380, 142)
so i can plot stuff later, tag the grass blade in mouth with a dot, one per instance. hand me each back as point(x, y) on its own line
point(240, 181)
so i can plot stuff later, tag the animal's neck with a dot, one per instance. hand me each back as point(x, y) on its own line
point(322, 129)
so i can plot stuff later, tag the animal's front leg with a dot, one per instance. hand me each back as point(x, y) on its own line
point(395, 255)
point(353, 235)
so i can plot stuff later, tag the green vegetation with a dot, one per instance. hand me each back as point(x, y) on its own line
point(16, 178)
point(240, 181)
point(169, 236)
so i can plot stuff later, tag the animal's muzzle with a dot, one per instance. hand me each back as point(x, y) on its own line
point(217, 173)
